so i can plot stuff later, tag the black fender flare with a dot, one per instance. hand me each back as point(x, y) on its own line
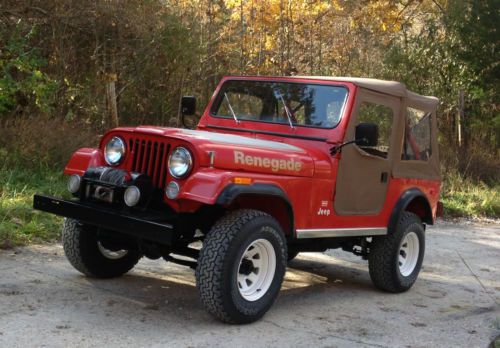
point(233, 191)
point(404, 200)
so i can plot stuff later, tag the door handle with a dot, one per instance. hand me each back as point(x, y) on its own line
point(383, 177)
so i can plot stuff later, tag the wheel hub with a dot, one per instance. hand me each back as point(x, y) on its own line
point(246, 267)
point(111, 254)
point(408, 254)
point(256, 270)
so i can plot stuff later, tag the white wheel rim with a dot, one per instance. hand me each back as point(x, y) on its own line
point(256, 270)
point(408, 254)
point(109, 254)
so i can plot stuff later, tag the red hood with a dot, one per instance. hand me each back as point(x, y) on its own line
point(235, 152)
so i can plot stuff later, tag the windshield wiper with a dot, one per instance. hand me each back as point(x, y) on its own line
point(278, 95)
point(231, 109)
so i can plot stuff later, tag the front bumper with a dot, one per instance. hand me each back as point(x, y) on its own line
point(150, 225)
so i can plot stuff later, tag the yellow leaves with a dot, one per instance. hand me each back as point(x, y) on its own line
point(382, 16)
point(273, 36)
point(352, 23)
point(269, 43)
point(232, 3)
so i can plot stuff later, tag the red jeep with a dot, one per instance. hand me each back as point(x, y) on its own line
point(276, 166)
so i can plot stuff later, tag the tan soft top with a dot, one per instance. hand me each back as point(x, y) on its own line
point(387, 87)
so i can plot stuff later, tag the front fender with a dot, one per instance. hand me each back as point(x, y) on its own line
point(83, 159)
point(205, 185)
point(214, 186)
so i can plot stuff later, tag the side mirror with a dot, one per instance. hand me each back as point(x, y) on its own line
point(188, 105)
point(366, 134)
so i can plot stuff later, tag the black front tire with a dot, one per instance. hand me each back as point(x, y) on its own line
point(81, 246)
point(385, 251)
point(220, 260)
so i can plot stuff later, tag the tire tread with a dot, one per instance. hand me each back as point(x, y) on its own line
point(382, 252)
point(76, 238)
point(209, 272)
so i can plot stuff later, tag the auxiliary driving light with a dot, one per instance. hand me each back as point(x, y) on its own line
point(74, 183)
point(172, 190)
point(132, 196)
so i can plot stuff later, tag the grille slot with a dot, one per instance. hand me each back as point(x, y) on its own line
point(150, 157)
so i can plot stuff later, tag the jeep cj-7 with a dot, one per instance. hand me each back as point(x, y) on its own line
point(276, 166)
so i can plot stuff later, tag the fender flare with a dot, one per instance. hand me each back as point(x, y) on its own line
point(404, 200)
point(232, 191)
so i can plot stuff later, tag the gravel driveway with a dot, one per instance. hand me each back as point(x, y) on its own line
point(327, 300)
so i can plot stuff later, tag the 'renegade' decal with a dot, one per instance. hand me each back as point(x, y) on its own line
point(266, 162)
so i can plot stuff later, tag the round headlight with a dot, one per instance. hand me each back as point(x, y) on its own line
point(180, 162)
point(114, 151)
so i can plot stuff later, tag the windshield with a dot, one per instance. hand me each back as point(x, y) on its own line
point(295, 104)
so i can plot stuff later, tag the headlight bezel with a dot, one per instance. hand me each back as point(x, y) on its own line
point(189, 162)
point(122, 153)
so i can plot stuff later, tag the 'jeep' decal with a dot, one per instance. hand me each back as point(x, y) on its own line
point(266, 162)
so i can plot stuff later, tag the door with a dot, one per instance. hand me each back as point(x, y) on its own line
point(364, 172)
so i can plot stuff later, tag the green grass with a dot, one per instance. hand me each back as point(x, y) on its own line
point(19, 223)
point(463, 198)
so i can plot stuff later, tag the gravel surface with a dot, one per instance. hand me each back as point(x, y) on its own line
point(327, 300)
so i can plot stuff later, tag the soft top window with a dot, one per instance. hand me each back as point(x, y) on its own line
point(417, 141)
point(300, 104)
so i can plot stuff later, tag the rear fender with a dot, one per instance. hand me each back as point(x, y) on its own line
point(415, 201)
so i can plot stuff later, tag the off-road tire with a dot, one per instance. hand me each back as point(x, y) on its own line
point(80, 243)
point(384, 252)
point(218, 265)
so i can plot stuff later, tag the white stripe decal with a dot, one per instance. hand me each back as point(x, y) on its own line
point(232, 139)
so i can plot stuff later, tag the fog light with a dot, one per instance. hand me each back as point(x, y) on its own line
point(132, 196)
point(74, 183)
point(173, 189)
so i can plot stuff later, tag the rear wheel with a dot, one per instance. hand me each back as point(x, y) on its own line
point(395, 259)
point(241, 266)
point(94, 256)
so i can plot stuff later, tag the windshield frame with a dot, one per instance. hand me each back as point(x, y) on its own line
point(221, 91)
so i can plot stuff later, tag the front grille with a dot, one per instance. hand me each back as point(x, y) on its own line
point(150, 157)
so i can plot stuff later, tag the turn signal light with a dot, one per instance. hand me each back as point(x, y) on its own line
point(242, 181)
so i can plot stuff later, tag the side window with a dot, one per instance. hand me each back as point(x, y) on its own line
point(382, 116)
point(417, 140)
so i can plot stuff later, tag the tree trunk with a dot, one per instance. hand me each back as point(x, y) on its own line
point(111, 99)
point(460, 118)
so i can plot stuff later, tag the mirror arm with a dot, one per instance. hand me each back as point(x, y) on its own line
point(337, 148)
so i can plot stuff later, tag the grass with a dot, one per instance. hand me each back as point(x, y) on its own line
point(464, 198)
point(19, 223)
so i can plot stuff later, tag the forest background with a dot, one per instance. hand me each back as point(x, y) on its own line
point(59, 58)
